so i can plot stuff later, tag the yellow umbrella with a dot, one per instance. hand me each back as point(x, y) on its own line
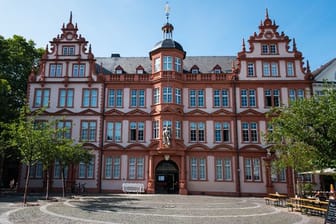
point(332, 188)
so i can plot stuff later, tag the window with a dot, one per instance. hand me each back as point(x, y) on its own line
point(217, 71)
point(272, 98)
point(264, 49)
point(86, 171)
point(157, 64)
point(295, 94)
point(167, 95)
point(223, 169)
point(113, 131)
point(115, 98)
point(90, 98)
point(198, 168)
point(58, 170)
point(178, 129)
point(136, 168)
point(112, 168)
point(36, 171)
point(140, 71)
point(222, 132)
point(167, 63)
point(88, 131)
point(119, 71)
point(221, 98)
point(270, 69)
point(305, 177)
point(278, 175)
point(252, 169)
point(55, 70)
point(156, 129)
point(197, 132)
point(269, 49)
point(274, 69)
point(196, 98)
point(68, 50)
point(66, 98)
point(250, 69)
point(290, 69)
point(248, 98)
point(178, 64)
point(178, 96)
point(249, 132)
point(266, 69)
point(137, 131)
point(156, 96)
point(194, 71)
point(64, 129)
point(42, 97)
point(78, 70)
point(137, 98)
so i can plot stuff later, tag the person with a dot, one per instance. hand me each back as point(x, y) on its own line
point(12, 184)
point(166, 136)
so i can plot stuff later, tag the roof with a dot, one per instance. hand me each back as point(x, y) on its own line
point(205, 64)
point(167, 43)
point(321, 71)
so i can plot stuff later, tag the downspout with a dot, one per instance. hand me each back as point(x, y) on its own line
point(100, 167)
point(238, 185)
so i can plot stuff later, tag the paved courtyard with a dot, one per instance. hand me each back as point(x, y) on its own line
point(145, 208)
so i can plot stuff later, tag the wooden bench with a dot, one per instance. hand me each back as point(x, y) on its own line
point(269, 200)
point(313, 210)
point(133, 187)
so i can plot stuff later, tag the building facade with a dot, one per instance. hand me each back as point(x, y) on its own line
point(175, 123)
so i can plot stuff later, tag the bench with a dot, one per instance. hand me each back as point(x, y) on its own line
point(269, 200)
point(133, 187)
point(313, 210)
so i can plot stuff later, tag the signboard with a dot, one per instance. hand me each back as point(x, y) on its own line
point(330, 217)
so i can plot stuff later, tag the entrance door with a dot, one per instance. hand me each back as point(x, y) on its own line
point(166, 178)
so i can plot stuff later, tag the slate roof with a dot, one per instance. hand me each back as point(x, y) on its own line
point(129, 64)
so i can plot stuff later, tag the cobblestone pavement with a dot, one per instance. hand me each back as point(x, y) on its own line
point(145, 208)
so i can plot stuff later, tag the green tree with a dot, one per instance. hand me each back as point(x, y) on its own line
point(17, 58)
point(70, 153)
point(27, 139)
point(304, 133)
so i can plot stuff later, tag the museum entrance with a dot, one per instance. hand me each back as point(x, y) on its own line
point(167, 178)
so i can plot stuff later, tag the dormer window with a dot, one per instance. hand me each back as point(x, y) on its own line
point(194, 69)
point(119, 70)
point(140, 70)
point(217, 69)
point(68, 50)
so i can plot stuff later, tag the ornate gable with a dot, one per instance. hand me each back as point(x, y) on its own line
point(115, 112)
point(222, 112)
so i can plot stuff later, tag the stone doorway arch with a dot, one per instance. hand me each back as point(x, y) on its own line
point(167, 178)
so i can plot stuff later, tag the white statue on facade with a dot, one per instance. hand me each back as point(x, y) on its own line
point(166, 136)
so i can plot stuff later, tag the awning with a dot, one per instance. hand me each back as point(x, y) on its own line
point(326, 171)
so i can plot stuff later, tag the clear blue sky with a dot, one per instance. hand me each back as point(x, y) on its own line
point(203, 27)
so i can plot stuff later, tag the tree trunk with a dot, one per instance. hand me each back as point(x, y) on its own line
point(63, 182)
point(26, 186)
point(2, 159)
point(47, 187)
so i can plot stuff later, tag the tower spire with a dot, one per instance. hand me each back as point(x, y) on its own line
point(70, 20)
point(167, 28)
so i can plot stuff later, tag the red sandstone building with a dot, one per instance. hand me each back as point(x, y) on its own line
point(172, 122)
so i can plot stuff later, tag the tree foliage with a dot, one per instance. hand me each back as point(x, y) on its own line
point(39, 142)
point(304, 133)
point(17, 58)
